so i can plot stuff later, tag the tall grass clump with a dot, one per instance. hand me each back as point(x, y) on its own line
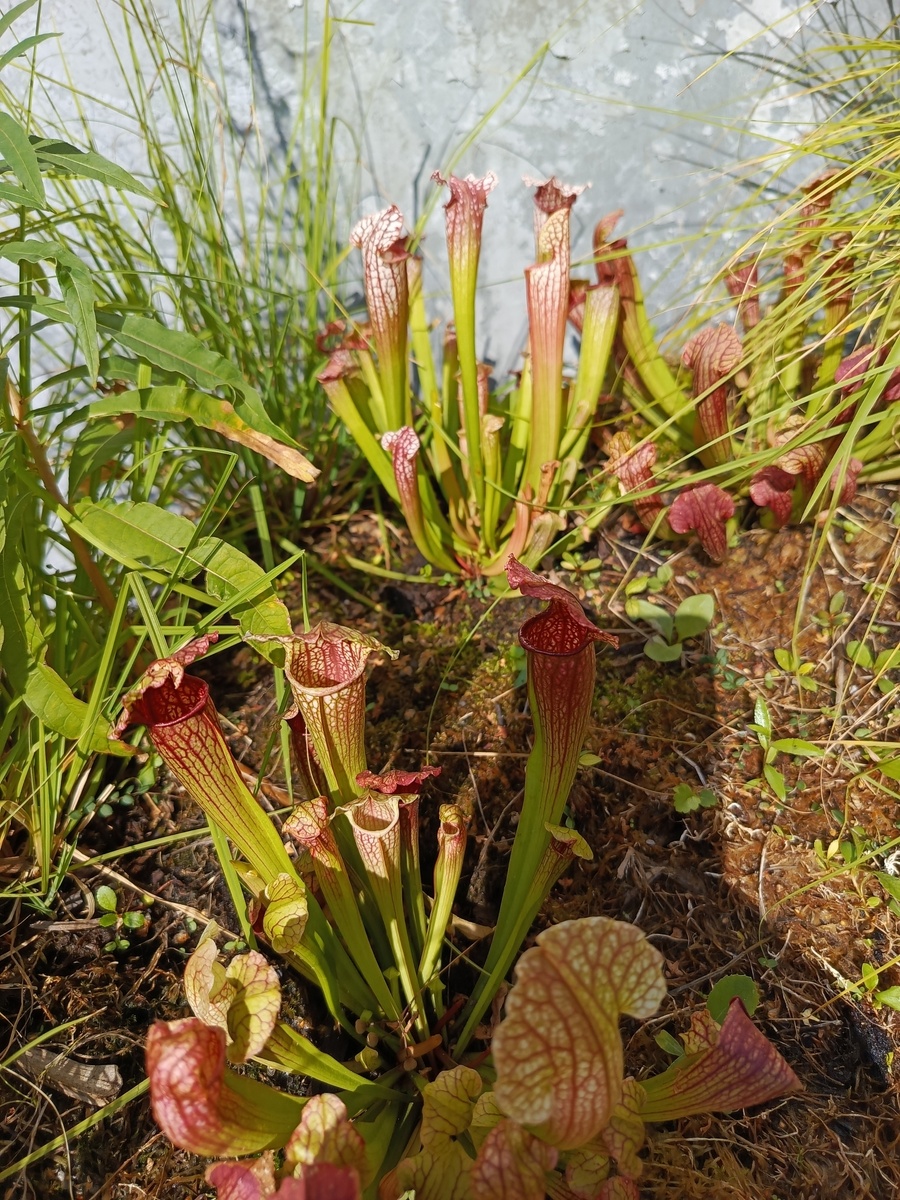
point(100, 567)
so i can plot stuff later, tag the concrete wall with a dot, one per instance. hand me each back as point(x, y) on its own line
point(627, 96)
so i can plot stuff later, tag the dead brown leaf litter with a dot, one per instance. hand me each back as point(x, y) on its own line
point(753, 885)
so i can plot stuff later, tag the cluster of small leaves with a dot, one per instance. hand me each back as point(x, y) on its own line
point(686, 799)
point(116, 921)
point(772, 747)
point(691, 618)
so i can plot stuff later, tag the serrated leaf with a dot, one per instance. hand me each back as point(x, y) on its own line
point(861, 654)
point(134, 920)
point(108, 920)
point(106, 898)
point(19, 155)
point(775, 780)
point(728, 987)
point(54, 703)
point(799, 747)
point(87, 164)
point(785, 660)
point(660, 651)
point(175, 403)
point(694, 614)
point(562, 1078)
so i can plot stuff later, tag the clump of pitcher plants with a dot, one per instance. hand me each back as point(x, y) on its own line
point(776, 416)
point(436, 1096)
point(779, 409)
point(479, 474)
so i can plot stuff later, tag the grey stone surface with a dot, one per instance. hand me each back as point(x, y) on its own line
point(627, 96)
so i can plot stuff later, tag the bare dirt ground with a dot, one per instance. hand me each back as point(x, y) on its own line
point(787, 891)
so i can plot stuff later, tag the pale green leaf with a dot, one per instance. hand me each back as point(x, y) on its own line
point(660, 651)
point(785, 660)
point(106, 898)
point(54, 703)
point(19, 155)
point(9, 18)
point(861, 654)
point(694, 615)
point(176, 403)
point(888, 660)
point(86, 164)
point(720, 997)
point(798, 746)
point(24, 46)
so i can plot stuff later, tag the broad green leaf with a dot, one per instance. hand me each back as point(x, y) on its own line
point(668, 1043)
point(78, 293)
point(86, 164)
point(106, 898)
point(561, 1078)
point(890, 996)
point(20, 635)
point(775, 780)
point(136, 534)
point(869, 977)
point(76, 285)
point(836, 603)
point(19, 154)
point(799, 747)
point(890, 883)
point(642, 610)
point(660, 651)
point(17, 196)
point(785, 660)
point(52, 701)
point(861, 654)
point(730, 986)
point(589, 760)
point(24, 46)
point(888, 660)
point(176, 403)
point(761, 715)
point(99, 444)
point(694, 615)
point(890, 767)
